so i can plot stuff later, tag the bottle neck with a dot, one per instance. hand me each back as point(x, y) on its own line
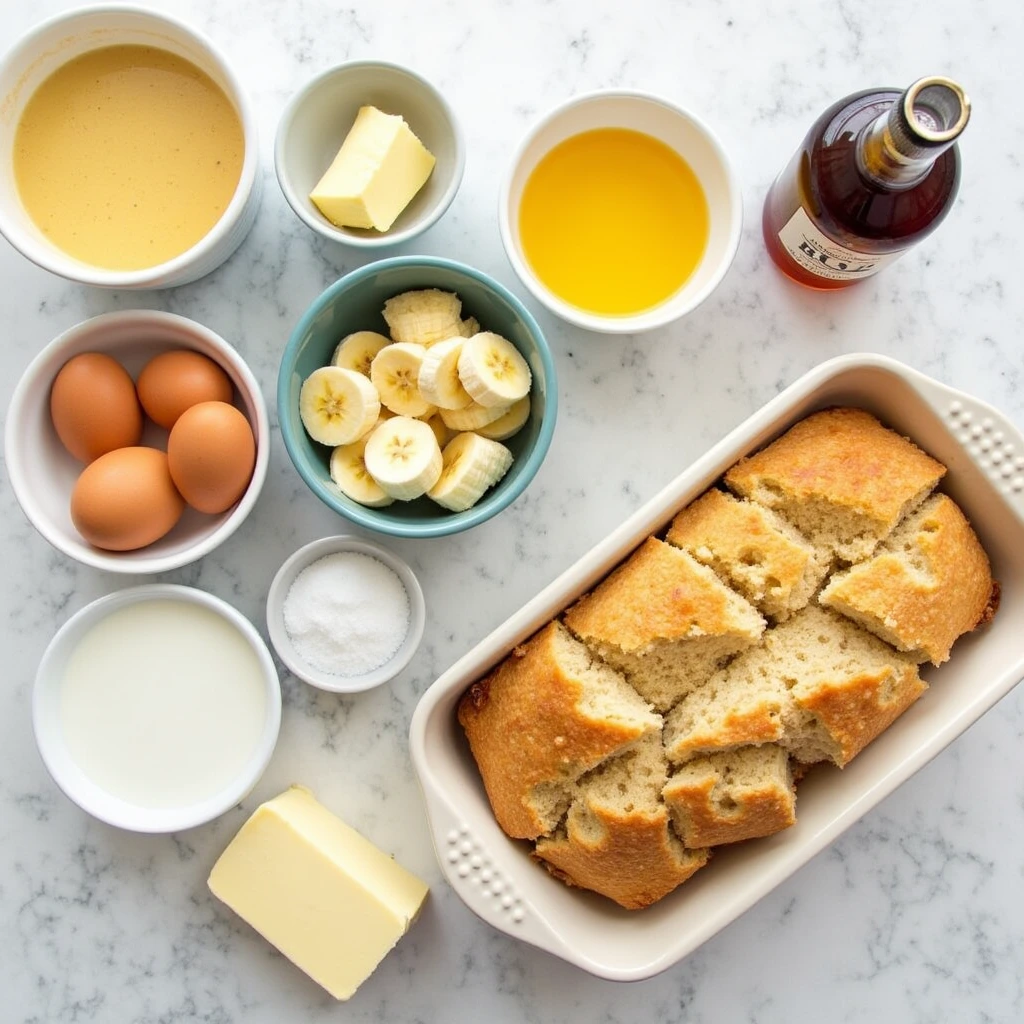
point(900, 146)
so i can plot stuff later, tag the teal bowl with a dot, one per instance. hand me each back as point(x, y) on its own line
point(354, 303)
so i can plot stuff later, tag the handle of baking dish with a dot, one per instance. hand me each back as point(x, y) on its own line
point(484, 877)
point(993, 442)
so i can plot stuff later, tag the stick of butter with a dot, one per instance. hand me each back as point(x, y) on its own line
point(381, 165)
point(324, 895)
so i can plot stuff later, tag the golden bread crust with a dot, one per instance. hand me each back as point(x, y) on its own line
point(736, 537)
point(752, 811)
point(526, 728)
point(658, 594)
point(923, 599)
point(856, 709)
point(845, 458)
point(632, 860)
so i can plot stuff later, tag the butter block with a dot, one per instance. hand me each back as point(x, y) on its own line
point(380, 167)
point(316, 889)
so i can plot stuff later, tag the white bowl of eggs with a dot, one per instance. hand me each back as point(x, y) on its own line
point(137, 441)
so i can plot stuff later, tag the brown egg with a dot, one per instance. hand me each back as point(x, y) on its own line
point(94, 407)
point(174, 381)
point(126, 499)
point(211, 453)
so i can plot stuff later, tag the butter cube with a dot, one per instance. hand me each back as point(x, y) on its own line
point(381, 165)
point(324, 895)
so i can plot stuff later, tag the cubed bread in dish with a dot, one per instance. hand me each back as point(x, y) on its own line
point(819, 685)
point(617, 839)
point(546, 715)
point(742, 794)
point(928, 584)
point(841, 478)
point(665, 621)
point(570, 760)
point(752, 549)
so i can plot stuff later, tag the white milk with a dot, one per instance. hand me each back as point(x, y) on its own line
point(162, 703)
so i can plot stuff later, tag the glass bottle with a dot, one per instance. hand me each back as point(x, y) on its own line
point(877, 172)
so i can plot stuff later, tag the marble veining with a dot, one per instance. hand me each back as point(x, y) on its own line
point(913, 914)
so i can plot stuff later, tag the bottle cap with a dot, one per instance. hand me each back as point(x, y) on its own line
point(928, 117)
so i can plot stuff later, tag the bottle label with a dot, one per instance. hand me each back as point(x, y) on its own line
point(818, 254)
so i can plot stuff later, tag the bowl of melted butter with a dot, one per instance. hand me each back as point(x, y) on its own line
point(128, 150)
point(620, 211)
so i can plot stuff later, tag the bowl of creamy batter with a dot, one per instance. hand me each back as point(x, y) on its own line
point(128, 150)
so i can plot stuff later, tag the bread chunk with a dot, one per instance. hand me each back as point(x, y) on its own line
point(819, 685)
point(841, 478)
point(547, 714)
point(725, 798)
point(753, 550)
point(616, 839)
point(928, 584)
point(665, 621)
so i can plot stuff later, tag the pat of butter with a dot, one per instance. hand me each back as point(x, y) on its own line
point(381, 165)
point(324, 895)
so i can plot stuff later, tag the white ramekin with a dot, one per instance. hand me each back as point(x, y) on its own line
point(292, 657)
point(677, 128)
point(69, 776)
point(56, 41)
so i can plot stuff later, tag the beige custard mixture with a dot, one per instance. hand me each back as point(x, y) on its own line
point(127, 156)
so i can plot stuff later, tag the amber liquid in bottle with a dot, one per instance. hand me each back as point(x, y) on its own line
point(877, 172)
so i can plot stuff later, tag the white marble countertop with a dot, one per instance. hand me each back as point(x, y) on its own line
point(914, 914)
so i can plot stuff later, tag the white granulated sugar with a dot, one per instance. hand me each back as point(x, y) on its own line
point(346, 614)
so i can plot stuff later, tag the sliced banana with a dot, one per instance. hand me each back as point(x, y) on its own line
point(439, 376)
point(441, 430)
point(403, 456)
point(471, 464)
point(493, 371)
point(424, 316)
point(349, 472)
point(473, 417)
point(337, 406)
point(469, 327)
point(356, 351)
point(395, 373)
point(509, 424)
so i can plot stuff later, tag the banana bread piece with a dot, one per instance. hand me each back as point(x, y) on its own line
point(753, 550)
point(616, 838)
point(665, 621)
point(841, 478)
point(819, 685)
point(548, 713)
point(928, 584)
point(725, 798)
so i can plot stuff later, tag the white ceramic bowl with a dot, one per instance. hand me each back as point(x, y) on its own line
point(79, 787)
point(56, 41)
point(985, 456)
point(317, 119)
point(286, 650)
point(43, 473)
point(678, 129)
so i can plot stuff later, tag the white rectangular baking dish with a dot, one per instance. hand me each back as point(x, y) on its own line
point(495, 876)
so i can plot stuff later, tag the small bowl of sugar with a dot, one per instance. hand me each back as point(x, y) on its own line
point(345, 614)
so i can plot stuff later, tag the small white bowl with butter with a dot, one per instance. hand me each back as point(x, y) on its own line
point(156, 708)
point(403, 176)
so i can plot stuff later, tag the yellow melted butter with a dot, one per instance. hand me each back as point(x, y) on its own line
point(613, 221)
point(127, 156)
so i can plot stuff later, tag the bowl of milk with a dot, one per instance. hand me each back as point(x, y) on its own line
point(156, 708)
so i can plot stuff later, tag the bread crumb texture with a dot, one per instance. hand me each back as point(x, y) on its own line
point(779, 624)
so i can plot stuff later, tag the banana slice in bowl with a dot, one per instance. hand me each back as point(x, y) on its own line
point(460, 355)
